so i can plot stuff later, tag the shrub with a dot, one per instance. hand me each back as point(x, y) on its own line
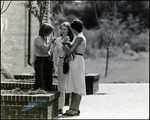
point(92, 39)
point(140, 42)
point(129, 32)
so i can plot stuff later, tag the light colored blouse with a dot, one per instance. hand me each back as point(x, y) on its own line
point(57, 52)
point(41, 47)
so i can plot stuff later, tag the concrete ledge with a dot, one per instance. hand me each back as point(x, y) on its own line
point(24, 76)
point(23, 85)
point(12, 85)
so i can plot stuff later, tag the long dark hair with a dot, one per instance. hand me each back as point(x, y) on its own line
point(70, 34)
point(45, 29)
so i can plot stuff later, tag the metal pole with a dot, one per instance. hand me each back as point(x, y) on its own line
point(29, 34)
point(25, 39)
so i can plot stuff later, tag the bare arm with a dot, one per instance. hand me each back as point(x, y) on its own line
point(42, 46)
point(74, 46)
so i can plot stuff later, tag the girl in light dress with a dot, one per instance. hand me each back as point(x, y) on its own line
point(65, 37)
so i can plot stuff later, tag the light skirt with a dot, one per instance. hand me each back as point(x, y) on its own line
point(76, 76)
point(62, 79)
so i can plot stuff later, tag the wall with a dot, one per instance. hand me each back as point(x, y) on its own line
point(14, 36)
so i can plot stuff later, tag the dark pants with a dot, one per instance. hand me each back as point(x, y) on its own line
point(43, 73)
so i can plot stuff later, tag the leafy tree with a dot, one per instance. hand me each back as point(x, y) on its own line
point(138, 9)
point(107, 31)
point(39, 8)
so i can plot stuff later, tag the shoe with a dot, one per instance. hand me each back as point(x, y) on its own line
point(73, 113)
point(60, 111)
point(68, 111)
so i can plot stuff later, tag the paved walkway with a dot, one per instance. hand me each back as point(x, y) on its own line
point(115, 101)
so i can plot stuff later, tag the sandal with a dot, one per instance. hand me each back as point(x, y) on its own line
point(68, 111)
point(74, 113)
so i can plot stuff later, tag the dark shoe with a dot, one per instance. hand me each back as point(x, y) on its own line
point(60, 111)
point(68, 111)
point(73, 113)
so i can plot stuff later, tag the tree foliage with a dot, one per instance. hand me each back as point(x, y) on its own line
point(85, 11)
point(39, 8)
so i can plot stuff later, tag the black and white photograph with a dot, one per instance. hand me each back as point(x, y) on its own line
point(74, 59)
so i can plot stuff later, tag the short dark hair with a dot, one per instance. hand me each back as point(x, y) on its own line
point(45, 29)
point(77, 25)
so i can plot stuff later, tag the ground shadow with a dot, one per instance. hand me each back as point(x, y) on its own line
point(62, 116)
point(100, 93)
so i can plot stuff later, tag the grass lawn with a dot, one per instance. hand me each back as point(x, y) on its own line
point(121, 70)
